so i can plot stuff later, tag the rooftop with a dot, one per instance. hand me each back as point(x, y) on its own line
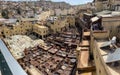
point(41, 26)
point(29, 19)
point(8, 21)
point(17, 44)
point(112, 66)
point(108, 13)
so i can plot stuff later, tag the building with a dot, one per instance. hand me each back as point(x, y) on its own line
point(102, 52)
point(104, 28)
point(101, 5)
point(71, 20)
point(107, 5)
point(57, 26)
point(41, 30)
point(20, 28)
point(29, 25)
point(11, 27)
point(110, 21)
point(60, 23)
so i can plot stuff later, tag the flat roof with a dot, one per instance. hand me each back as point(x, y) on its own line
point(8, 20)
point(95, 18)
point(85, 43)
point(88, 14)
point(14, 66)
point(29, 19)
point(108, 13)
point(86, 33)
point(112, 69)
point(83, 59)
point(41, 26)
point(104, 12)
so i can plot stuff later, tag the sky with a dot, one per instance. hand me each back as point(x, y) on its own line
point(72, 2)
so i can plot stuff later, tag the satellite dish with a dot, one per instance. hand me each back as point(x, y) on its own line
point(113, 41)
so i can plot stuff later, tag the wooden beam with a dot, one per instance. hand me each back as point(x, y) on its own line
point(83, 59)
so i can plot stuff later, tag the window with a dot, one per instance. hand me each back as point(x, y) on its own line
point(2, 32)
point(118, 29)
point(44, 31)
